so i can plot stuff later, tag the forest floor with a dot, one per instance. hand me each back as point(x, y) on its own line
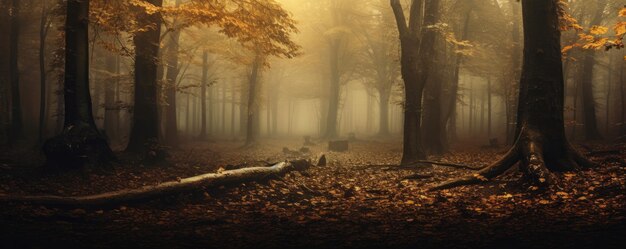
point(346, 204)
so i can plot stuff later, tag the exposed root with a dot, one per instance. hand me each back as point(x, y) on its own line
point(535, 165)
point(485, 174)
point(581, 160)
point(532, 161)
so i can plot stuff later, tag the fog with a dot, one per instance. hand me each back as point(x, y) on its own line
point(336, 72)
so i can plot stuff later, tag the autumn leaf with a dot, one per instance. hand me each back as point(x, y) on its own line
point(598, 30)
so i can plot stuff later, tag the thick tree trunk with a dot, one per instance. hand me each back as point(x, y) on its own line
point(190, 184)
point(541, 146)
point(80, 142)
point(433, 116)
point(253, 119)
point(145, 131)
point(415, 67)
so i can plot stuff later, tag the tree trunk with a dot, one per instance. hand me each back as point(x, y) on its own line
point(43, 33)
point(589, 102)
point(188, 115)
point(203, 87)
point(432, 115)
point(5, 71)
point(415, 67)
point(252, 125)
point(171, 78)
point(607, 107)
point(232, 108)
point(451, 115)
point(15, 133)
point(385, 95)
point(243, 108)
point(489, 131)
point(223, 119)
point(516, 64)
point(588, 99)
point(111, 110)
point(80, 142)
point(541, 146)
point(145, 132)
point(275, 95)
point(333, 99)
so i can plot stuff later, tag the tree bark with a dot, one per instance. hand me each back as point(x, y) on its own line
point(252, 117)
point(145, 131)
point(541, 146)
point(416, 49)
point(80, 142)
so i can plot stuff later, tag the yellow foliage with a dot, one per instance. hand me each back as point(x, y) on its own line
point(598, 30)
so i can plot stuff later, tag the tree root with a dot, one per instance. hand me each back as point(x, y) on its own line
point(167, 188)
point(483, 175)
point(533, 162)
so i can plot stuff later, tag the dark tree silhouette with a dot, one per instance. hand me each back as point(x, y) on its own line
point(80, 142)
point(541, 145)
point(144, 134)
point(417, 44)
point(15, 131)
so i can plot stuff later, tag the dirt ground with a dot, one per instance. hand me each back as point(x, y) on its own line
point(346, 204)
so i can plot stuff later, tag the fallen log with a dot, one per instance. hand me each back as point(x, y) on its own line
point(163, 189)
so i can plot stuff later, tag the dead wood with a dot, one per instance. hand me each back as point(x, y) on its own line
point(168, 188)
